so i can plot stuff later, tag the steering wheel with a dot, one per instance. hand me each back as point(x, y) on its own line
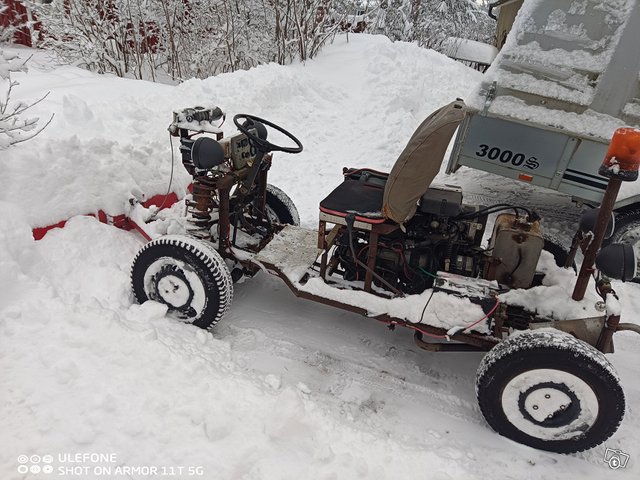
point(246, 122)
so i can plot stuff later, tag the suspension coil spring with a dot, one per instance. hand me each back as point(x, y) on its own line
point(201, 206)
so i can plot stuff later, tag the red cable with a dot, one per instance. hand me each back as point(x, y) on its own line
point(424, 333)
point(485, 317)
point(465, 328)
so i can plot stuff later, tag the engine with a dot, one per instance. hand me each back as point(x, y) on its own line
point(443, 235)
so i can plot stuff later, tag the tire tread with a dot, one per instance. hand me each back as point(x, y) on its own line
point(210, 258)
point(548, 342)
point(282, 204)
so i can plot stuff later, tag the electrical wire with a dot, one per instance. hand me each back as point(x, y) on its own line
point(471, 325)
point(428, 273)
point(495, 307)
point(519, 261)
point(426, 305)
point(166, 195)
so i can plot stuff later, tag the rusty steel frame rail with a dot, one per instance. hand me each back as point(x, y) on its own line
point(480, 342)
point(458, 342)
point(444, 347)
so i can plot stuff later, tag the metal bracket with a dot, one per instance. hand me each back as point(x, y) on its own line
point(490, 94)
point(585, 329)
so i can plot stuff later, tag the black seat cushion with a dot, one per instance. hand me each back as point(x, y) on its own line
point(355, 196)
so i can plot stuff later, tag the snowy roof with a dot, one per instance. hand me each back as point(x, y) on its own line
point(469, 50)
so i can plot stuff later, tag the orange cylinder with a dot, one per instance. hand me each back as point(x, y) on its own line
point(623, 156)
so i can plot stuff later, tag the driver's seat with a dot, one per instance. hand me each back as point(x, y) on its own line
point(375, 197)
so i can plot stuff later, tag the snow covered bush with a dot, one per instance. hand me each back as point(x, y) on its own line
point(95, 34)
point(429, 22)
point(180, 39)
point(185, 38)
point(302, 27)
point(15, 127)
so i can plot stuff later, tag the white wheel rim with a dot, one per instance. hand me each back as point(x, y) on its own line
point(174, 290)
point(540, 404)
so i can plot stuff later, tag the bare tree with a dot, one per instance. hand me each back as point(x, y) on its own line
point(15, 127)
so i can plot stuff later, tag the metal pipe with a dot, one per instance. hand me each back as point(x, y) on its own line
point(631, 327)
point(444, 347)
point(605, 344)
point(604, 216)
point(575, 244)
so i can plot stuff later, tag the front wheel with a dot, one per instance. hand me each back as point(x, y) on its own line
point(185, 274)
point(627, 228)
point(560, 252)
point(280, 208)
point(550, 391)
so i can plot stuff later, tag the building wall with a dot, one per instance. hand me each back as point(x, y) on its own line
point(506, 18)
point(16, 15)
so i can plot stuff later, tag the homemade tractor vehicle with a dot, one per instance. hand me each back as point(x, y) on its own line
point(397, 249)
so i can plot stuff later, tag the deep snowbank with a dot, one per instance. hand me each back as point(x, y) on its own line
point(284, 388)
point(83, 370)
point(355, 105)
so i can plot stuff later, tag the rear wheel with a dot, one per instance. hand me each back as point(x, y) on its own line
point(627, 228)
point(280, 208)
point(555, 247)
point(548, 390)
point(185, 274)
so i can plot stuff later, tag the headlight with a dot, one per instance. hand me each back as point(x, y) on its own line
point(618, 261)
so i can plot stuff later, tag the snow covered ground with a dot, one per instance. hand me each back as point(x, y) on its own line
point(283, 388)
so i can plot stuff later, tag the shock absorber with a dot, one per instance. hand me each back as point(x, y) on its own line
point(202, 207)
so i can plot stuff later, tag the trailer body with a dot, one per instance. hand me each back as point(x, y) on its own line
point(566, 78)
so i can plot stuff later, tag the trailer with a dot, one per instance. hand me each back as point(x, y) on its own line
point(567, 76)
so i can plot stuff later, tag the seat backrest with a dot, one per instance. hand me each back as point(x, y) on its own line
point(420, 161)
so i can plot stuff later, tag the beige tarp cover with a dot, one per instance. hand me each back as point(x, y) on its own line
point(419, 162)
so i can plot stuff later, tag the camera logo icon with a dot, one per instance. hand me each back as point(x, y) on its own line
point(615, 458)
point(31, 464)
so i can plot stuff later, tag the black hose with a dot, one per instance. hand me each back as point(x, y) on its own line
point(533, 216)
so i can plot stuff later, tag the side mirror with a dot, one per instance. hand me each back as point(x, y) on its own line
point(618, 261)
